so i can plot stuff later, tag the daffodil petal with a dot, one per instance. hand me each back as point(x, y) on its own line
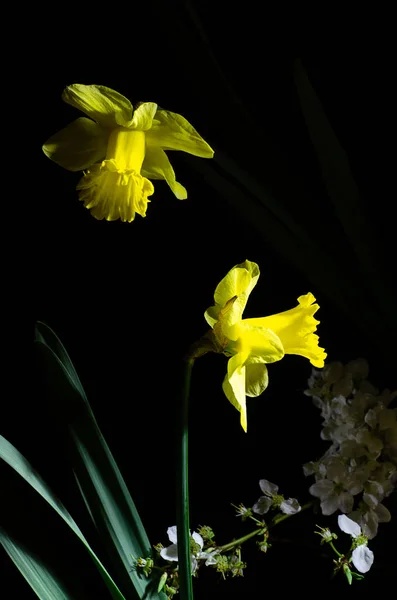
point(211, 315)
point(256, 378)
point(296, 328)
point(234, 386)
point(104, 105)
point(157, 166)
point(260, 344)
point(78, 146)
point(143, 117)
point(171, 131)
point(237, 284)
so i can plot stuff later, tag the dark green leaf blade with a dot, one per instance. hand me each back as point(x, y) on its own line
point(44, 583)
point(99, 479)
point(19, 463)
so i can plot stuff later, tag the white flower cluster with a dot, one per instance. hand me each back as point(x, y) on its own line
point(359, 469)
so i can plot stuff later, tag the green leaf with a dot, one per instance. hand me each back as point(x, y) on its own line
point(44, 583)
point(182, 513)
point(101, 484)
point(344, 193)
point(19, 463)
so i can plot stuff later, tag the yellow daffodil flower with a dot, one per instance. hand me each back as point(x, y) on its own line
point(252, 343)
point(120, 149)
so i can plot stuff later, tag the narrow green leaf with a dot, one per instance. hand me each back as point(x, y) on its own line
point(101, 484)
point(344, 194)
point(19, 463)
point(182, 513)
point(44, 583)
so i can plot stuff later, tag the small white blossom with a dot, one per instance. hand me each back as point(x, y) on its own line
point(208, 556)
point(326, 534)
point(362, 556)
point(171, 552)
point(337, 490)
point(272, 498)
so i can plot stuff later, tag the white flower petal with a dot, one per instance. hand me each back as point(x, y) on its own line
point(267, 487)
point(262, 506)
point(369, 524)
point(362, 558)
point(309, 468)
point(322, 489)
point(330, 505)
point(346, 502)
point(370, 500)
point(209, 556)
point(169, 553)
point(290, 506)
point(382, 513)
point(194, 564)
point(172, 536)
point(349, 526)
point(198, 539)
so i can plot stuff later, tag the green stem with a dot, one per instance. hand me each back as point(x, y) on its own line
point(241, 540)
point(182, 515)
point(279, 518)
point(334, 549)
point(260, 531)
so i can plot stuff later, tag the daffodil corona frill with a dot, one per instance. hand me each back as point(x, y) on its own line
point(120, 150)
point(252, 343)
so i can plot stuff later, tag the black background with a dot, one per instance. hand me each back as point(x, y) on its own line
point(128, 299)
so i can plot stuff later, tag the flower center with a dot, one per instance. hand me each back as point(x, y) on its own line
point(127, 149)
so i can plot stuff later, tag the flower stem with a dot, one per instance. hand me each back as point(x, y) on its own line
point(334, 549)
point(260, 531)
point(241, 540)
point(182, 515)
point(280, 518)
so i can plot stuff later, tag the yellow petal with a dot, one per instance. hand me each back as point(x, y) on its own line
point(234, 386)
point(256, 378)
point(261, 344)
point(104, 105)
point(211, 315)
point(239, 283)
point(78, 146)
point(157, 166)
point(142, 119)
point(171, 131)
point(296, 328)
